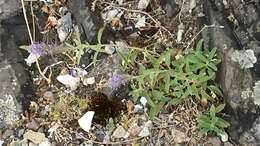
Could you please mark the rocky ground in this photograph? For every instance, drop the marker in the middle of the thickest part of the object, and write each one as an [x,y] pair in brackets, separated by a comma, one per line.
[75,91]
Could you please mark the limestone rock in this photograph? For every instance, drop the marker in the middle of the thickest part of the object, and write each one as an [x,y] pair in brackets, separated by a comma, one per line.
[35,137]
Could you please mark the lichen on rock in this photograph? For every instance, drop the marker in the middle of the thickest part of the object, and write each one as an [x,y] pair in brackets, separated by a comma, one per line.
[245,58]
[257,93]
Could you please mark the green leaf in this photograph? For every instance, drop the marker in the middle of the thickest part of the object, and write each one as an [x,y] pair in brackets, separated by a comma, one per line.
[216,90]
[136,93]
[190,90]
[193,59]
[202,132]
[175,101]
[150,101]
[155,110]
[222,123]
[220,108]
[212,111]
[213,66]
[100,33]
[217,130]
[204,78]
[197,66]
[205,95]
[199,45]
[211,74]
[110,126]
[201,57]
[212,53]
[141,68]
[24,47]
[167,80]
[194,90]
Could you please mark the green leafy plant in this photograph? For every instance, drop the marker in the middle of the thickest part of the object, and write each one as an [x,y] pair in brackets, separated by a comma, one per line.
[110,125]
[80,48]
[212,123]
[164,79]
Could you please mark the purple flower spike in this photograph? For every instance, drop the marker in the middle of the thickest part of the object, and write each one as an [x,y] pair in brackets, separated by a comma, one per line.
[116,80]
[38,49]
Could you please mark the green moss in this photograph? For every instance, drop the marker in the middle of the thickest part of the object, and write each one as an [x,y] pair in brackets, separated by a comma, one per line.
[69,107]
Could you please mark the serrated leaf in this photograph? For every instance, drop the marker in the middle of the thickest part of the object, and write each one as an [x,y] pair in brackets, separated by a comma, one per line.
[212,53]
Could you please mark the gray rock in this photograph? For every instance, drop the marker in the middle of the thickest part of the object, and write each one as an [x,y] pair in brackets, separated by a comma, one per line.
[234,81]
[120,132]
[15,86]
[215,141]
[10,109]
[9,8]
[178,136]
[86,20]
[170,7]
[8,133]
[228,144]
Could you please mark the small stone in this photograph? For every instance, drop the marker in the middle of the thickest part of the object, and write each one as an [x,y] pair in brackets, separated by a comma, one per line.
[215,141]
[144,132]
[89,81]
[8,133]
[45,143]
[33,125]
[1,142]
[23,142]
[228,144]
[100,134]
[48,95]
[69,81]
[35,137]
[138,108]
[135,130]
[224,137]
[32,144]
[149,124]
[178,136]
[146,129]
[20,132]
[110,50]
[143,100]
[120,132]
[85,121]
